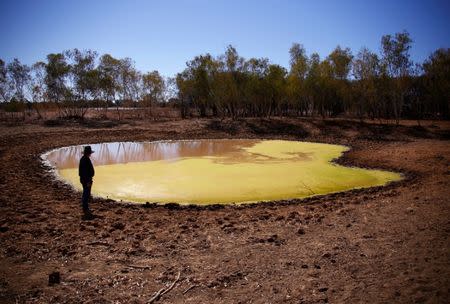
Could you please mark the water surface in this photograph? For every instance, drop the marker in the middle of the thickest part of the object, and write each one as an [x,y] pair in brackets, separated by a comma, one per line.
[215,171]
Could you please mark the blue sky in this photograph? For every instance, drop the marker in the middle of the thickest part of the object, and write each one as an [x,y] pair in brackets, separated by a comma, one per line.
[163,35]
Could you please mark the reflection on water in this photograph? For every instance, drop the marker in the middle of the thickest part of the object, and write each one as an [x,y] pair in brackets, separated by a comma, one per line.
[215,171]
[223,151]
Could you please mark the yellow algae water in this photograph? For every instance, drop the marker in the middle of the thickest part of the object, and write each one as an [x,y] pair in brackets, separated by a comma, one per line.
[216,171]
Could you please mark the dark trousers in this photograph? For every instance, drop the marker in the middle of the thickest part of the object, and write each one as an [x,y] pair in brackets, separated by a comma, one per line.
[86,195]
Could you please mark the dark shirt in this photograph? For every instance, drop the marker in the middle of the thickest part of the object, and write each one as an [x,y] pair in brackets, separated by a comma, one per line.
[86,169]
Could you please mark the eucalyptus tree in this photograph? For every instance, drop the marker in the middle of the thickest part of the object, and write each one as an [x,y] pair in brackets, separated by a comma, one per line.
[437,81]
[276,93]
[328,102]
[396,58]
[37,87]
[153,87]
[296,87]
[19,76]
[229,83]
[129,79]
[93,84]
[82,67]
[134,85]
[184,85]
[417,103]
[298,61]
[195,83]
[4,83]
[313,82]
[37,84]
[170,91]
[57,71]
[255,97]
[109,77]
[232,61]
[225,96]
[322,87]
[341,62]
[83,81]
[366,70]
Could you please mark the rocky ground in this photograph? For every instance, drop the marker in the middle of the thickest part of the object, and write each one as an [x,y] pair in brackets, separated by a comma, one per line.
[380,245]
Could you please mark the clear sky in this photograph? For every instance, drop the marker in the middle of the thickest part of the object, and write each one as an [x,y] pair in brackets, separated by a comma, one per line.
[163,35]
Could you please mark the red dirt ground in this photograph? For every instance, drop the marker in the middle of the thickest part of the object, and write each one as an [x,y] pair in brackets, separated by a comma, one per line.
[380,245]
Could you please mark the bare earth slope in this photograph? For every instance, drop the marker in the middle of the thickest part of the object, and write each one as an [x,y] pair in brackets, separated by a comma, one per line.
[381,245]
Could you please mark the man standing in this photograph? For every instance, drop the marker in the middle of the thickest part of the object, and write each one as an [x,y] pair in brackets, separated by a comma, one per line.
[86,173]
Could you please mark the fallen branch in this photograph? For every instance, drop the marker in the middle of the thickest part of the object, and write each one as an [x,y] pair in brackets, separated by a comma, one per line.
[139,266]
[189,288]
[307,188]
[163,291]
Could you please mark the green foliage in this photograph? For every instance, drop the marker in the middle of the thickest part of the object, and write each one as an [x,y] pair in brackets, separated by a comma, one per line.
[386,86]
[397,65]
[4,85]
[437,81]
[19,77]
[84,74]
[395,50]
[57,71]
[340,60]
[153,88]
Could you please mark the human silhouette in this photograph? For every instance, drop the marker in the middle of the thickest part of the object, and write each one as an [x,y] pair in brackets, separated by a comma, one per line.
[86,173]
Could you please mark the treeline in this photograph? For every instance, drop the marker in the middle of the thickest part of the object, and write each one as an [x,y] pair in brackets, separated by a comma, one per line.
[363,85]
[75,80]
[366,85]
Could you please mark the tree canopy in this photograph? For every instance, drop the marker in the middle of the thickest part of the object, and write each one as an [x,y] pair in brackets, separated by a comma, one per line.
[364,85]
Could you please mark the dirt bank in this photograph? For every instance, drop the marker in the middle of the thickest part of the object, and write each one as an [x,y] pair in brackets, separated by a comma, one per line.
[380,245]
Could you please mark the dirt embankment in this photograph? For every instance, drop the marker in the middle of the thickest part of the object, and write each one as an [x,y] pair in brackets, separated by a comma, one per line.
[380,245]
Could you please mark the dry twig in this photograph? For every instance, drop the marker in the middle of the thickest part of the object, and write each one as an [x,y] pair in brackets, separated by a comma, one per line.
[139,266]
[163,291]
[307,188]
[190,287]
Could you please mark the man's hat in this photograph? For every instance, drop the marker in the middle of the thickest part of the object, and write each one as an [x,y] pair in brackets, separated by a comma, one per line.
[88,150]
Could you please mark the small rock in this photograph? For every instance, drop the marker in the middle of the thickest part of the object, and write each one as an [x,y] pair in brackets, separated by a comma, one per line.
[410,209]
[54,278]
[301,231]
[323,289]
